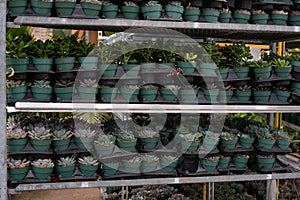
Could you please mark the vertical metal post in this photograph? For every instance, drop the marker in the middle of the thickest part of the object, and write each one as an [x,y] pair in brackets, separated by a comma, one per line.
[204,190]
[3,153]
[213,191]
[209,191]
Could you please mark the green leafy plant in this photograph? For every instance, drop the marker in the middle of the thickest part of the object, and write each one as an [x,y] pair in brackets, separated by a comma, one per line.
[282,63]
[83,48]
[237,54]
[43,49]
[258,64]
[67,161]
[19,46]
[64,46]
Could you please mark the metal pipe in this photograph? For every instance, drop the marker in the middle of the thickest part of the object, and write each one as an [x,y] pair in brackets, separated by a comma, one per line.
[204,190]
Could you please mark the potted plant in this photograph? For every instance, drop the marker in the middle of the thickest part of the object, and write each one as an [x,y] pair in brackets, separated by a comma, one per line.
[228,140]
[17,168]
[40,136]
[64,7]
[261,69]
[190,142]
[265,161]
[109,10]
[43,54]
[151,10]
[148,92]
[225,15]
[246,140]
[104,145]
[279,17]
[148,138]
[66,166]
[294,58]
[191,13]
[241,16]
[211,14]
[210,140]
[110,167]
[129,92]
[211,92]
[174,9]
[282,93]
[210,163]
[132,165]
[130,10]
[17,7]
[91,7]
[42,7]
[224,162]
[210,59]
[294,18]
[168,162]
[243,93]
[88,165]
[106,60]
[83,135]
[169,92]
[107,92]
[87,89]
[126,141]
[188,93]
[63,89]
[85,55]
[265,139]
[283,140]
[16,134]
[41,89]
[259,17]
[149,163]
[42,168]
[281,67]
[261,94]
[61,138]
[188,63]
[227,94]
[240,160]
[16,89]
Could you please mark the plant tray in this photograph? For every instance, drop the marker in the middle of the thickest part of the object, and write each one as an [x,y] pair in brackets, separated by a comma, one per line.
[29,150]
[233,77]
[78,176]
[120,175]
[117,154]
[275,149]
[30,178]
[71,150]
[159,100]
[200,172]
[20,75]
[277,167]
[203,152]
[238,149]
[29,12]
[159,173]
[164,17]
[232,169]
[273,101]
[158,149]
[78,13]
[272,78]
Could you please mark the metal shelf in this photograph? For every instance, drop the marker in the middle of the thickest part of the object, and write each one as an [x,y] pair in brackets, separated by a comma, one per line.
[153,181]
[149,108]
[267,33]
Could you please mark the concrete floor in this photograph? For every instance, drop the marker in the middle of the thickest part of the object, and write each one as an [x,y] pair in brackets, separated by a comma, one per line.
[67,194]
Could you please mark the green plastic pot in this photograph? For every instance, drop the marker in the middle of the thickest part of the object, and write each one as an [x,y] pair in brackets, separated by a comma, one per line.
[228,144]
[211,15]
[241,18]
[148,94]
[91,9]
[265,143]
[63,64]
[211,95]
[41,7]
[18,64]
[87,170]
[169,95]
[106,150]
[167,165]
[169,65]
[130,12]
[18,174]
[40,145]
[239,162]
[152,12]
[111,168]
[84,143]
[131,167]
[61,145]
[188,94]
[262,96]
[64,8]
[108,93]
[126,145]
[191,15]
[241,72]
[42,64]
[131,69]
[149,166]
[208,68]
[295,86]
[87,93]
[109,11]
[17,7]
[41,173]
[224,17]
[148,143]
[210,143]
[224,162]
[148,66]
[243,96]
[294,20]
[128,93]
[228,95]
[265,163]
[65,172]
[282,96]
[64,93]
[260,18]
[224,72]
[19,93]
[295,63]
[88,62]
[41,93]
[283,144]
[209,165]
[190,146]
[174,12]
[279,19]
[187,67]
[108,70]
[262,73]
[246,142]
[16,145]
[282,71]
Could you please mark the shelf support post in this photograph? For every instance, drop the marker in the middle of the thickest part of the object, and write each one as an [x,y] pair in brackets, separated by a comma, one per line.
[3,170]
[204,190]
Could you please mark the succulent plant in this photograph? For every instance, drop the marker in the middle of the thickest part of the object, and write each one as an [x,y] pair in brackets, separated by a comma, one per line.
[39,132]
[130,3]
[191,136]
[41,84]
[212,158]
[150,158]
[150,86]
[65,0]
[66,161]
[169,158]
[283,63]
[152,3]
[104,140]
[171,87]
[282,134]
[280,12]
[19,163]
[135,159]
[133,87]
[43,163]
[88,83]
[228,136]
[141,120]
[62,134]
[244,88]
[83,130]
[225,10]
[14,130]
[242,155]
[126,136]
[243,12]
[175,3]
[148,133]
[107,3]
[258,12]
[64,83]
[15,83]
[88,160]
